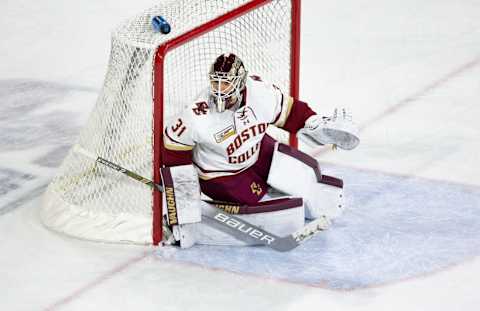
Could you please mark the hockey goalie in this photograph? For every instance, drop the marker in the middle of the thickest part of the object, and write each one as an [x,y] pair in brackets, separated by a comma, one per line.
[218,148]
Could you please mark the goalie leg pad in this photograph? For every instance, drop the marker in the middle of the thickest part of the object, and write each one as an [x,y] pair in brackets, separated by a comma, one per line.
[181,197]
[327,199]
[322,194]
[280,221]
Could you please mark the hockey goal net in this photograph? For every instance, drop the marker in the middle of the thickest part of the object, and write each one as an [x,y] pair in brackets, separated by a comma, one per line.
[152,76]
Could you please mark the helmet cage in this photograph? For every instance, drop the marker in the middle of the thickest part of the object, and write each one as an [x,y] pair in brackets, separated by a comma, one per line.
[225,87]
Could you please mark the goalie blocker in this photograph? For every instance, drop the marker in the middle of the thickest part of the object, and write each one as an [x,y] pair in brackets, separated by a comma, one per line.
[322,194]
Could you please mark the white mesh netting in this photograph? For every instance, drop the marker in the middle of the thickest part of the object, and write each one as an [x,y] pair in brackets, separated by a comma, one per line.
[90,201]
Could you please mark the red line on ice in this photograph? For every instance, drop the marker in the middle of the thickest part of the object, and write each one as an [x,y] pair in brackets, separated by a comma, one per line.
[101,279]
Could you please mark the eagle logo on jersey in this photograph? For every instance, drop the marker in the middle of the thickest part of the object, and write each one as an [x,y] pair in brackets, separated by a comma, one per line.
[224,134]
[256,188]
[244,115]
[201,108]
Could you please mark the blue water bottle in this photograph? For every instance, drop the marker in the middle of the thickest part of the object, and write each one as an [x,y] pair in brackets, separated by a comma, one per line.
[159,24]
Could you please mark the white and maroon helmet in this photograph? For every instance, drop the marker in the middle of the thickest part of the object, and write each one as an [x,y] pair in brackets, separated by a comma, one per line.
[227,81]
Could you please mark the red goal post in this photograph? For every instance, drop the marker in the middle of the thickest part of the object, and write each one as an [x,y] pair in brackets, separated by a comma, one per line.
[158,93]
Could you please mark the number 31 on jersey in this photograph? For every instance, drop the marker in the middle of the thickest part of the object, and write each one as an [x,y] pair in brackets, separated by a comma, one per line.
[179,127]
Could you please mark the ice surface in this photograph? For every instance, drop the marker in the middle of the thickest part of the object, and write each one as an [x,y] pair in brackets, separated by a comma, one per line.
[11,180]
[408,70]
[30,114]
[396,228]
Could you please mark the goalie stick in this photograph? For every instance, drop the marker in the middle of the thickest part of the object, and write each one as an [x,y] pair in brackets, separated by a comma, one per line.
[247,232]
[142,179]
[228,223]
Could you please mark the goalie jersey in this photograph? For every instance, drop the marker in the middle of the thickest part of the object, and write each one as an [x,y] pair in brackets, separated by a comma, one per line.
[226,143]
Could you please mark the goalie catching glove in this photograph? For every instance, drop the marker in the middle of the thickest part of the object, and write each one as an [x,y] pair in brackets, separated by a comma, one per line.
[338,130]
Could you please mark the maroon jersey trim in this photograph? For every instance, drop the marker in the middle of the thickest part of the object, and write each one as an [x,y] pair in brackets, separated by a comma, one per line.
[176,141]
[177,157]
[299,113]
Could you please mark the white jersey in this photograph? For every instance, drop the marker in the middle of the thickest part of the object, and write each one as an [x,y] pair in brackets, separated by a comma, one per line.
[228,142]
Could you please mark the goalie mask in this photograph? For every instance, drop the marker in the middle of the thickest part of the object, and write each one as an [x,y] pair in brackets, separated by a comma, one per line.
[227,80]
